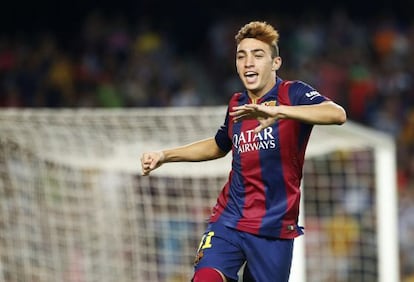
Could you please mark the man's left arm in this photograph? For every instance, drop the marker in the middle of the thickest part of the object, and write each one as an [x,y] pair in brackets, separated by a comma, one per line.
[326,112]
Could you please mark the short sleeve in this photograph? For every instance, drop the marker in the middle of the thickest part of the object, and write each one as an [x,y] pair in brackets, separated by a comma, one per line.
[222,137]
[301,93]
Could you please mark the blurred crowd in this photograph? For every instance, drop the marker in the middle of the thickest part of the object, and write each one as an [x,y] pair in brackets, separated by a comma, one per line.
[366,66]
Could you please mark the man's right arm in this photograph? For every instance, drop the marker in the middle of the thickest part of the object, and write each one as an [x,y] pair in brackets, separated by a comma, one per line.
[202,150]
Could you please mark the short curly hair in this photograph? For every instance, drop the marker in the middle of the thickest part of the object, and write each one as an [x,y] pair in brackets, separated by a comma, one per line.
[261,31]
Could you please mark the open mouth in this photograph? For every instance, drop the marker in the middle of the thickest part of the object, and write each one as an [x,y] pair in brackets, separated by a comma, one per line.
[251,76]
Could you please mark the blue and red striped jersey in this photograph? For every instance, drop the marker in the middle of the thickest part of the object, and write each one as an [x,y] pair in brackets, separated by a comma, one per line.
[262,193]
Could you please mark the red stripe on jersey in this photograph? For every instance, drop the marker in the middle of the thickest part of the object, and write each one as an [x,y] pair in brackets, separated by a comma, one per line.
[221,201]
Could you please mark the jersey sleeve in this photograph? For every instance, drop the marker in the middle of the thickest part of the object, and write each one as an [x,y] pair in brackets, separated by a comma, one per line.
[222,136]
[303,94]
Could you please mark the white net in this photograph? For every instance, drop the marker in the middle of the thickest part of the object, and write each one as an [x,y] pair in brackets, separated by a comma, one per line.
[340,217]
[73,206]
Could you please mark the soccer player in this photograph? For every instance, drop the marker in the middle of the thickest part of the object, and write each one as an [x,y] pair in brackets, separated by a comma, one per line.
[267,127]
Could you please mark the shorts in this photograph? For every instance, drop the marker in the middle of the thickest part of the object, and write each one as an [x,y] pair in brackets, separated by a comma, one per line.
[227,249]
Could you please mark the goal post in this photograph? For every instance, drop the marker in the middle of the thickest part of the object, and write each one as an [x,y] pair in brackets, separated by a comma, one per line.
[74,207]
[375,152]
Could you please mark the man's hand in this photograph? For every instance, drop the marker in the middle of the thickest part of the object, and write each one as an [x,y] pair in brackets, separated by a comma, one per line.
[264,114]
[151,161]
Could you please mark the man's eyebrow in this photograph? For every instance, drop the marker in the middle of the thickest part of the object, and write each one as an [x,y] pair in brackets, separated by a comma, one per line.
[253,51]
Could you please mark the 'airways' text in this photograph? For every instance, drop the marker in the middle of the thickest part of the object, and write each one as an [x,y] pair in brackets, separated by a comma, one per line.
[249,141]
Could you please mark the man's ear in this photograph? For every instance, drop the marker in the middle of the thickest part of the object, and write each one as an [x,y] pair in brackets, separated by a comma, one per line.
[277,62]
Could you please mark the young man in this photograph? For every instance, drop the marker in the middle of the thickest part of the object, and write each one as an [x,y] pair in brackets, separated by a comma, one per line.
[267,128]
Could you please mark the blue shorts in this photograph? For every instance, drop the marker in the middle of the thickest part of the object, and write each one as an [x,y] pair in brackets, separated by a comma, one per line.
[227,249]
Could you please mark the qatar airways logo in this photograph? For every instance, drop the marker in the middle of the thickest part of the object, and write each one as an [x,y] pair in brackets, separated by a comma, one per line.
[248,141]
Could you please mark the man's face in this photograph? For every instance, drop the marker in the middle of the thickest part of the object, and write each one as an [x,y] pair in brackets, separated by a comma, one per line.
[255,66]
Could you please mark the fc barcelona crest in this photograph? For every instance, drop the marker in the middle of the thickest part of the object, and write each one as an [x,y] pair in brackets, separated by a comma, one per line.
[269,103]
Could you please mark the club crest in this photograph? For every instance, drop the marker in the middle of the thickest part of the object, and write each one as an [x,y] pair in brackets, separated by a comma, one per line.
[269,103]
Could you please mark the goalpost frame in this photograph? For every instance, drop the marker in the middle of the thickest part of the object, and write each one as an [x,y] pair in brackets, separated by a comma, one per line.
[387,209]
[386,198]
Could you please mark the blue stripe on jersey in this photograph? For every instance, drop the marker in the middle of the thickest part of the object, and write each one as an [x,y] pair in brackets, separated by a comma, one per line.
[238,182]
[275,205]
[273,174]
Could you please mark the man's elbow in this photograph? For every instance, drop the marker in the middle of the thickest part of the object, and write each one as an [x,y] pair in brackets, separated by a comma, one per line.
[336,114]
[340,116]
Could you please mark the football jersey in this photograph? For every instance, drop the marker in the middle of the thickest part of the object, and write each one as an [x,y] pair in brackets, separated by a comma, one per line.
[262,193]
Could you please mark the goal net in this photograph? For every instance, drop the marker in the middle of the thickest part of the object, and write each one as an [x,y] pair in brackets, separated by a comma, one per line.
[74,207]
